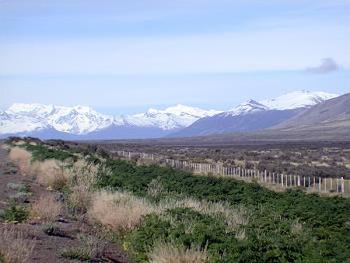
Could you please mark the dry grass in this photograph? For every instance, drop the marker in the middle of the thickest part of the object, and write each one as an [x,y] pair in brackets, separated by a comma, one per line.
[14,248]
[233,217]
[50,173]
[46,208]
[297,227]
[80,198]
[169,253]
[22,159]
[124,211]
[155,188]
[119,211]
[82,178]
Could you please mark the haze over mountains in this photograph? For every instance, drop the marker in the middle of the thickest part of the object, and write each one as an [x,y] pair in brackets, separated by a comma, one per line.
[81,122]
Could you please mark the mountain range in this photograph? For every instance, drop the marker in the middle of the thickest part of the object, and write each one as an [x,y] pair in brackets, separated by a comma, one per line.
[81,122]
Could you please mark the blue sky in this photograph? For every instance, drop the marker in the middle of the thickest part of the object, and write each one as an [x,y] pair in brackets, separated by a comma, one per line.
[126,56]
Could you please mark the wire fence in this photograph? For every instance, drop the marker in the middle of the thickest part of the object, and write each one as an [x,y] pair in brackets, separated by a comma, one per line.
[310,183]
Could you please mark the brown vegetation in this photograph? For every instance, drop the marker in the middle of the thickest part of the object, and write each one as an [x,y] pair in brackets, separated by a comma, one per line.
[50,173]
[118,210]
[22,159]
[169,253]
[14,247]
[46,208]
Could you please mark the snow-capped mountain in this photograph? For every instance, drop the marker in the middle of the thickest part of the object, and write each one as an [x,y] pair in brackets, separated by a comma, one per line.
[175,117]
[297,99]
[74,120]
[82,120]
[247,107]
[252,115]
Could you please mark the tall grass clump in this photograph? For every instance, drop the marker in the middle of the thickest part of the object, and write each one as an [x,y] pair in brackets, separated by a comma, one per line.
[22,159]
[120,211]
[170,253]
[14,247]
[46,208]
[82,181]
[50,173]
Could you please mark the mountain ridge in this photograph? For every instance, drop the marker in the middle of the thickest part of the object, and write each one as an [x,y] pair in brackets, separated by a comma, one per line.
[84,122]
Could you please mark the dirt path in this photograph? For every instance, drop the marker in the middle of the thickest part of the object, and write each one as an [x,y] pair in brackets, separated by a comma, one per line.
[47,248]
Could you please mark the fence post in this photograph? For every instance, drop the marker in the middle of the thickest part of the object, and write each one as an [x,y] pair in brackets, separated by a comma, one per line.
[319,184]
[337,184]
[331,184]
[342,185]
[282,180]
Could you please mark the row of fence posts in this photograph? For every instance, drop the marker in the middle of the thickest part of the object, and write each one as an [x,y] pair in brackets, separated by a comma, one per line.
[313,183]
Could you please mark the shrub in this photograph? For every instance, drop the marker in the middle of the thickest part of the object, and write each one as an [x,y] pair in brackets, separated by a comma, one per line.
[46,208]
[17,187]
[20,197]
[15,213]
[42,152]
[14,247]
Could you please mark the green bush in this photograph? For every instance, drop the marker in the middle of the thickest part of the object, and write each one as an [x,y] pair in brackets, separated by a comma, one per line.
[269,234]
[79,253]
[42,152]
[14,213]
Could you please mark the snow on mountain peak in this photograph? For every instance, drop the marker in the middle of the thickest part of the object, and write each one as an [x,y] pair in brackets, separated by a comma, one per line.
[173,117]
[247,107]
[34,109]
[78,120]
[181,110]
[297,99]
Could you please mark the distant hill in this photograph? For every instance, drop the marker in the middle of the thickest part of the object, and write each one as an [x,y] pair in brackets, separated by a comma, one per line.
[331,114]
[254,116]
[326,121]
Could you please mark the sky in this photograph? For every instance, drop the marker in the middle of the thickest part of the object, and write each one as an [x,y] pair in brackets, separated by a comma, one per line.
[123,57]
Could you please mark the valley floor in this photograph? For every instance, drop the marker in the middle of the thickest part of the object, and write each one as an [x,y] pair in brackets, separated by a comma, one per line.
[158,214]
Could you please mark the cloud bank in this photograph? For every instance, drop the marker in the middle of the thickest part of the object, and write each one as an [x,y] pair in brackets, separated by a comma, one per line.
[327,65]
